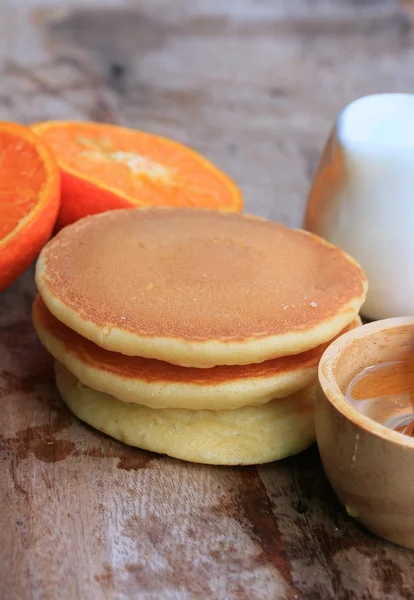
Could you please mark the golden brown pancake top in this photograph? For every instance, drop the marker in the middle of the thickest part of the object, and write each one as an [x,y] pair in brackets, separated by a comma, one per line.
[197,275]
[151,370]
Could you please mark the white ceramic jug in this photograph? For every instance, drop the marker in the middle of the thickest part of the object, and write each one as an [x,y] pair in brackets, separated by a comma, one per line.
[362,197]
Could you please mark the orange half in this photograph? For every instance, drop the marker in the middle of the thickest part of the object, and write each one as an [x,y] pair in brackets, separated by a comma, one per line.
[29,199]
[104,167]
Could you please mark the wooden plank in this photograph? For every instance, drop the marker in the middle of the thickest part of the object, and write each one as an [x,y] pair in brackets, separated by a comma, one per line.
[255,86]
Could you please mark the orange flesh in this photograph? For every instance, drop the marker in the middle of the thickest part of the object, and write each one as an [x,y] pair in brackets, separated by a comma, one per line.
[23,175]
[29,199]
[153,170]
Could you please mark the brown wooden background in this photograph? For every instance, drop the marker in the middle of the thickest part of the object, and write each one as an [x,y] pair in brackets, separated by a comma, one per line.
[255,85]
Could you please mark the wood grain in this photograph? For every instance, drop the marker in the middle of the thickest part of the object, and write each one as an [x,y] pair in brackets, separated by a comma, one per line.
[255,85]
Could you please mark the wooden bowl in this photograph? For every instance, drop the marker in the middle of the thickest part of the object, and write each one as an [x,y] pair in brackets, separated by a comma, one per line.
[370,467]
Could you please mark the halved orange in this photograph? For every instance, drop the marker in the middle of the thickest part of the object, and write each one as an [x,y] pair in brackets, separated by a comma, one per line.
[106,166]
[29,198]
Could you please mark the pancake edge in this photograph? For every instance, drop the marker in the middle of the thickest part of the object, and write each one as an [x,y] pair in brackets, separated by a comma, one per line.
[290,431]
[171,394]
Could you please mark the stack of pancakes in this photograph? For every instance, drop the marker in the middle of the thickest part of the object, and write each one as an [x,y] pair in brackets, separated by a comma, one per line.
[192,333]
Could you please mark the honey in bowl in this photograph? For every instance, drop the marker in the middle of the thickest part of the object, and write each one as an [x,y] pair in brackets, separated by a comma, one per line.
[385,393]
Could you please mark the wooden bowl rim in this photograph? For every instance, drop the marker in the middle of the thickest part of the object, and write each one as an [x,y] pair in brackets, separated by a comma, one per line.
[333,393]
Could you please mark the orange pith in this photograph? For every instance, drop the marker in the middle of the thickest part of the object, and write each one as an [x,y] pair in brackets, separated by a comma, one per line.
[29,199]
[105,166]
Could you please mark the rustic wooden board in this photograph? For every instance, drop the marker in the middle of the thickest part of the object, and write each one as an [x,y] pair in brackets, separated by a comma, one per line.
[255,85]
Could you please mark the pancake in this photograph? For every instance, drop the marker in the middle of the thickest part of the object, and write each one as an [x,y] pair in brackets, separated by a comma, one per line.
[250,435]
[159,384]
[198,288]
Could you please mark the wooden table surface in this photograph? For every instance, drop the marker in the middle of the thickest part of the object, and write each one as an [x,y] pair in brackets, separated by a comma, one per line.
[255,85]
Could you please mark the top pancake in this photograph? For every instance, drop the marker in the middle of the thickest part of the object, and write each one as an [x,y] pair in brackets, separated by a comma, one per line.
[198,288]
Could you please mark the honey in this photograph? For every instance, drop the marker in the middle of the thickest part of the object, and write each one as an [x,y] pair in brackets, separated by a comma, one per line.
[385,393]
